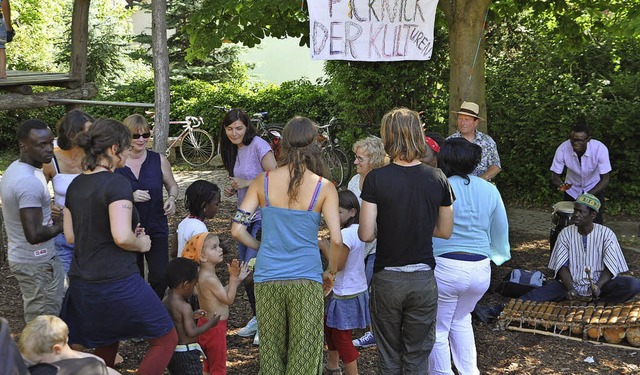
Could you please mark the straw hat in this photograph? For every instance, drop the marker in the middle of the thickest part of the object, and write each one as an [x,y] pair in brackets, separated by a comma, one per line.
[469,109]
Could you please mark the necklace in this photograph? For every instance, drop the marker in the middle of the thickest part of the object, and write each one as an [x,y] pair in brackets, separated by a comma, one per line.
[105,167]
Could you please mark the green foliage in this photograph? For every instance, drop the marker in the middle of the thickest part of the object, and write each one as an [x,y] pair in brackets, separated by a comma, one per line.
[535,92]
[219,65]
[108,40]
[37,23]
[365,91]
[215,22]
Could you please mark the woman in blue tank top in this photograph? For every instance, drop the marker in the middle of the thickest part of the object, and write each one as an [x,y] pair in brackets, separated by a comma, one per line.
[288,273]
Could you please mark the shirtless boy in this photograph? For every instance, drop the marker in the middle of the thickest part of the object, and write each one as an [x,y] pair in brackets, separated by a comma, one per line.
[182,277]
[214,297]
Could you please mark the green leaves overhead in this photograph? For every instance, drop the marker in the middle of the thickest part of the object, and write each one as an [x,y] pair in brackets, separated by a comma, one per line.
[247,22]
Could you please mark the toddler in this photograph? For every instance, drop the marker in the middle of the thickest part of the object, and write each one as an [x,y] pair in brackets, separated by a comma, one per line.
[181,278]
[44,343]
[205,249]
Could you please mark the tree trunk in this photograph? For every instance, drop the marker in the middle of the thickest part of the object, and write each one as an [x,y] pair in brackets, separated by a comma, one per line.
[161,74]
[465,20]
[39,100]
[79,40]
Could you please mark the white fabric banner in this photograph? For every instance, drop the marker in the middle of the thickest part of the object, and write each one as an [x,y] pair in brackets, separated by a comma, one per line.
[371,30]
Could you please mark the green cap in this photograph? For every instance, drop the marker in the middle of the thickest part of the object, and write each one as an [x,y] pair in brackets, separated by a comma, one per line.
[590,201]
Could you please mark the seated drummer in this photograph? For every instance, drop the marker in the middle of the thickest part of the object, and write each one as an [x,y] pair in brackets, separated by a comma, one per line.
[581,245]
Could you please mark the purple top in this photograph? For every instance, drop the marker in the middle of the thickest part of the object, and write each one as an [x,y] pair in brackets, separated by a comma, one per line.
[583,173]
[249,164]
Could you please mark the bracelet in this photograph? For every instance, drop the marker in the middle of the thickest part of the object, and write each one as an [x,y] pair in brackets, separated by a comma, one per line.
[242,217]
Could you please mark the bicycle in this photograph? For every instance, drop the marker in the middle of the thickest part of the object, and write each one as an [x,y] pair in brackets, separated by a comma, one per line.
[196,144]
[336,158]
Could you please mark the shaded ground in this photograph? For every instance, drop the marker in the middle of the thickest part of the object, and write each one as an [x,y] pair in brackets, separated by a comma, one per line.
[499,352]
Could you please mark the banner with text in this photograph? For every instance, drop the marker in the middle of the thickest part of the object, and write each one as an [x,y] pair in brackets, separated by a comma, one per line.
[371,30]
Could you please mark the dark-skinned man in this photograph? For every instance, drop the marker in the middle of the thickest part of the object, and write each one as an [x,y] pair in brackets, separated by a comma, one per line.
[587,163]
[26,207]
[581,245]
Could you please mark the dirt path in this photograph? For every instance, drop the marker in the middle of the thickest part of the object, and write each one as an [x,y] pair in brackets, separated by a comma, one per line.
[499,352]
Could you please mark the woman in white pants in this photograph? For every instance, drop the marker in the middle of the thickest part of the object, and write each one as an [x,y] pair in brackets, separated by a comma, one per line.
[480,235]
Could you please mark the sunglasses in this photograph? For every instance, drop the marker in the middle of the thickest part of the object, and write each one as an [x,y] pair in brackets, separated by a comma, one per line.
[138,136]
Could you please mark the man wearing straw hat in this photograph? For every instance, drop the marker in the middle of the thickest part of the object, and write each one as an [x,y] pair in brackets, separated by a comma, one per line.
[468,120]
[587,260]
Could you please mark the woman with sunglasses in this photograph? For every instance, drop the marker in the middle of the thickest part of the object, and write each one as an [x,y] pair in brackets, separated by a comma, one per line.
[148,172]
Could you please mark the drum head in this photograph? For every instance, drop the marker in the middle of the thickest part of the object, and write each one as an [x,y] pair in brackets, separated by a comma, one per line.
[564,206]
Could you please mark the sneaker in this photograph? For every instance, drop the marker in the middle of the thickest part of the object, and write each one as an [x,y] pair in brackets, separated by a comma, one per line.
[256,339]
[250,329]
[365,341]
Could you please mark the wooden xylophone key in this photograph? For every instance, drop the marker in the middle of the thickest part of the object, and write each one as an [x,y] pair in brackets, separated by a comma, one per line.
[540,313]
[576,326]
[614,335]
[594,332]
[566,316]
[550,315]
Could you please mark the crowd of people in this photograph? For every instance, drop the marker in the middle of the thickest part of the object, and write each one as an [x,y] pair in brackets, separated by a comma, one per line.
[407,257]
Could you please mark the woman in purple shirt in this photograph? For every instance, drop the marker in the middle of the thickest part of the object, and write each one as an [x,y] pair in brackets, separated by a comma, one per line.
[245,156]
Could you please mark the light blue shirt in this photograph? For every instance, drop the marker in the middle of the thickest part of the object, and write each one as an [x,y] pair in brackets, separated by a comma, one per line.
[479,221]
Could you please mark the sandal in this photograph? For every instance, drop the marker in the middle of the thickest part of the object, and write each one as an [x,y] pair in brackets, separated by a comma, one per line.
[333,371]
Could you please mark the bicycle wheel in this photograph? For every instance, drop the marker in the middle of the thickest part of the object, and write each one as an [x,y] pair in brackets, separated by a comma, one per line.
[197,147]
[338,165]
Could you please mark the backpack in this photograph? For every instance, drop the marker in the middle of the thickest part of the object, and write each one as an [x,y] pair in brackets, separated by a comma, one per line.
[520,282]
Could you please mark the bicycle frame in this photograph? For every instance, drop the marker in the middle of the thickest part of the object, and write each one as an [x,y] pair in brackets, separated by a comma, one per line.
[189,123]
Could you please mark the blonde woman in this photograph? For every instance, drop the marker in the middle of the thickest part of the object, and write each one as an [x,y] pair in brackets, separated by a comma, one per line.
[148,172]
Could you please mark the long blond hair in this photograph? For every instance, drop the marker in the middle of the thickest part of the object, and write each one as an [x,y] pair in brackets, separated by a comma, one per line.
[402,135]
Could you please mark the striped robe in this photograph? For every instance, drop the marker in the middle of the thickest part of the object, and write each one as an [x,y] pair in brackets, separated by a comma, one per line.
[602,250]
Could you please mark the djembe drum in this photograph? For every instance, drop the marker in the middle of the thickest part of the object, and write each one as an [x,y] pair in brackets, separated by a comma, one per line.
[560,219]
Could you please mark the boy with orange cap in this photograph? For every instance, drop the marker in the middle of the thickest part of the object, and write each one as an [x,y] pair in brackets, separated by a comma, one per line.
[205,249]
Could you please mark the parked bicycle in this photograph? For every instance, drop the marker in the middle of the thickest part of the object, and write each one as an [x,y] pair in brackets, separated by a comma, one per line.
[196,144]
[335,157]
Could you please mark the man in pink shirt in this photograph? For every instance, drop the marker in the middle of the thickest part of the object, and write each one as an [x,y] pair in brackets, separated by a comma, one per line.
[587,164]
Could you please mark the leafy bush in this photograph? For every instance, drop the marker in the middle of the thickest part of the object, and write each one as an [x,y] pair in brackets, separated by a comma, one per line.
[535,92]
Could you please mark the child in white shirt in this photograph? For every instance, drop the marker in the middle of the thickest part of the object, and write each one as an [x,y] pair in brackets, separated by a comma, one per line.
[347,306]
